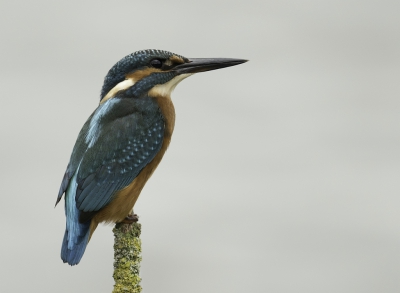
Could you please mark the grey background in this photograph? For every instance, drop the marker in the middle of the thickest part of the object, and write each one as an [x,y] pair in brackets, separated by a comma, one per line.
[283,173]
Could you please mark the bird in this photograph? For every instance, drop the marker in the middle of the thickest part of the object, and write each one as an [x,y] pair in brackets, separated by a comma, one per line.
[122,142]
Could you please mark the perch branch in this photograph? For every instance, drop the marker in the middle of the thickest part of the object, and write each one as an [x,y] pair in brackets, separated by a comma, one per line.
[127,257]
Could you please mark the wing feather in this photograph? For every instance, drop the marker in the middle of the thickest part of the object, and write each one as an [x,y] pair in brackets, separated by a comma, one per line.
[124,147]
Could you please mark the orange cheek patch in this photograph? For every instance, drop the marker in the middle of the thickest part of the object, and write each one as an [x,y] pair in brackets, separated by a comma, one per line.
[177,60]
[140,74]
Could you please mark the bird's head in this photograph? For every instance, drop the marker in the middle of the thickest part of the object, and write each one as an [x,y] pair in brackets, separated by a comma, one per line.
[155,72]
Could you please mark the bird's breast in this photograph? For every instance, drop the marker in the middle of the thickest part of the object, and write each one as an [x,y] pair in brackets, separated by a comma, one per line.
[168,111]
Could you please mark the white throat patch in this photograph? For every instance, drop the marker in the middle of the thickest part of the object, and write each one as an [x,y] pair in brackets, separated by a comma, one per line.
[166,89]
[123,85]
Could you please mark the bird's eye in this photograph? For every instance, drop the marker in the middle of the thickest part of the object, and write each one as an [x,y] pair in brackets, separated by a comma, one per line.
[156,63]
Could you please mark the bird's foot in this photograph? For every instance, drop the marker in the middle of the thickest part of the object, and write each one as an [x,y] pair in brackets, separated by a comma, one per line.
[129,219]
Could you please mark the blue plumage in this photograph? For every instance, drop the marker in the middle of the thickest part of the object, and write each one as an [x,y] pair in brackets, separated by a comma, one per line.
[119,139]
[76,234]
[125,145]
[123,141]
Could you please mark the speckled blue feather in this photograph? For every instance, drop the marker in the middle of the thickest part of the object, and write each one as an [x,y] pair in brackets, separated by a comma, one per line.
[119,139]
[124,146]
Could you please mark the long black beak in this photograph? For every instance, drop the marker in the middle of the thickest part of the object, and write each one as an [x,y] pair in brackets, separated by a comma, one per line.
[206,64]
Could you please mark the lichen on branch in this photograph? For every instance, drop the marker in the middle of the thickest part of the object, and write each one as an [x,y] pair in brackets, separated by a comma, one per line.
[127,257]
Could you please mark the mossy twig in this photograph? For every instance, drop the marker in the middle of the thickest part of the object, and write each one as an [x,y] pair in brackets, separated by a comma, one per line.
[127,257]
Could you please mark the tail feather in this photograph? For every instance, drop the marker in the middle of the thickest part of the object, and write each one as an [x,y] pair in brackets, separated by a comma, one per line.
[73,246]
[76,235]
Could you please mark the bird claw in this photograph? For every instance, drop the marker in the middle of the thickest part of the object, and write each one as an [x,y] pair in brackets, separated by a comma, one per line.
[129,219]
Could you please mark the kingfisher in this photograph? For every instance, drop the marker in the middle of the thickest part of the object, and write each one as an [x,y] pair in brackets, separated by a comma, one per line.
[122,142]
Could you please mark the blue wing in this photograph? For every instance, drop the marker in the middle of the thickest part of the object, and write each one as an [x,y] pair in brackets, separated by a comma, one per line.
[112,149]
[120,153]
